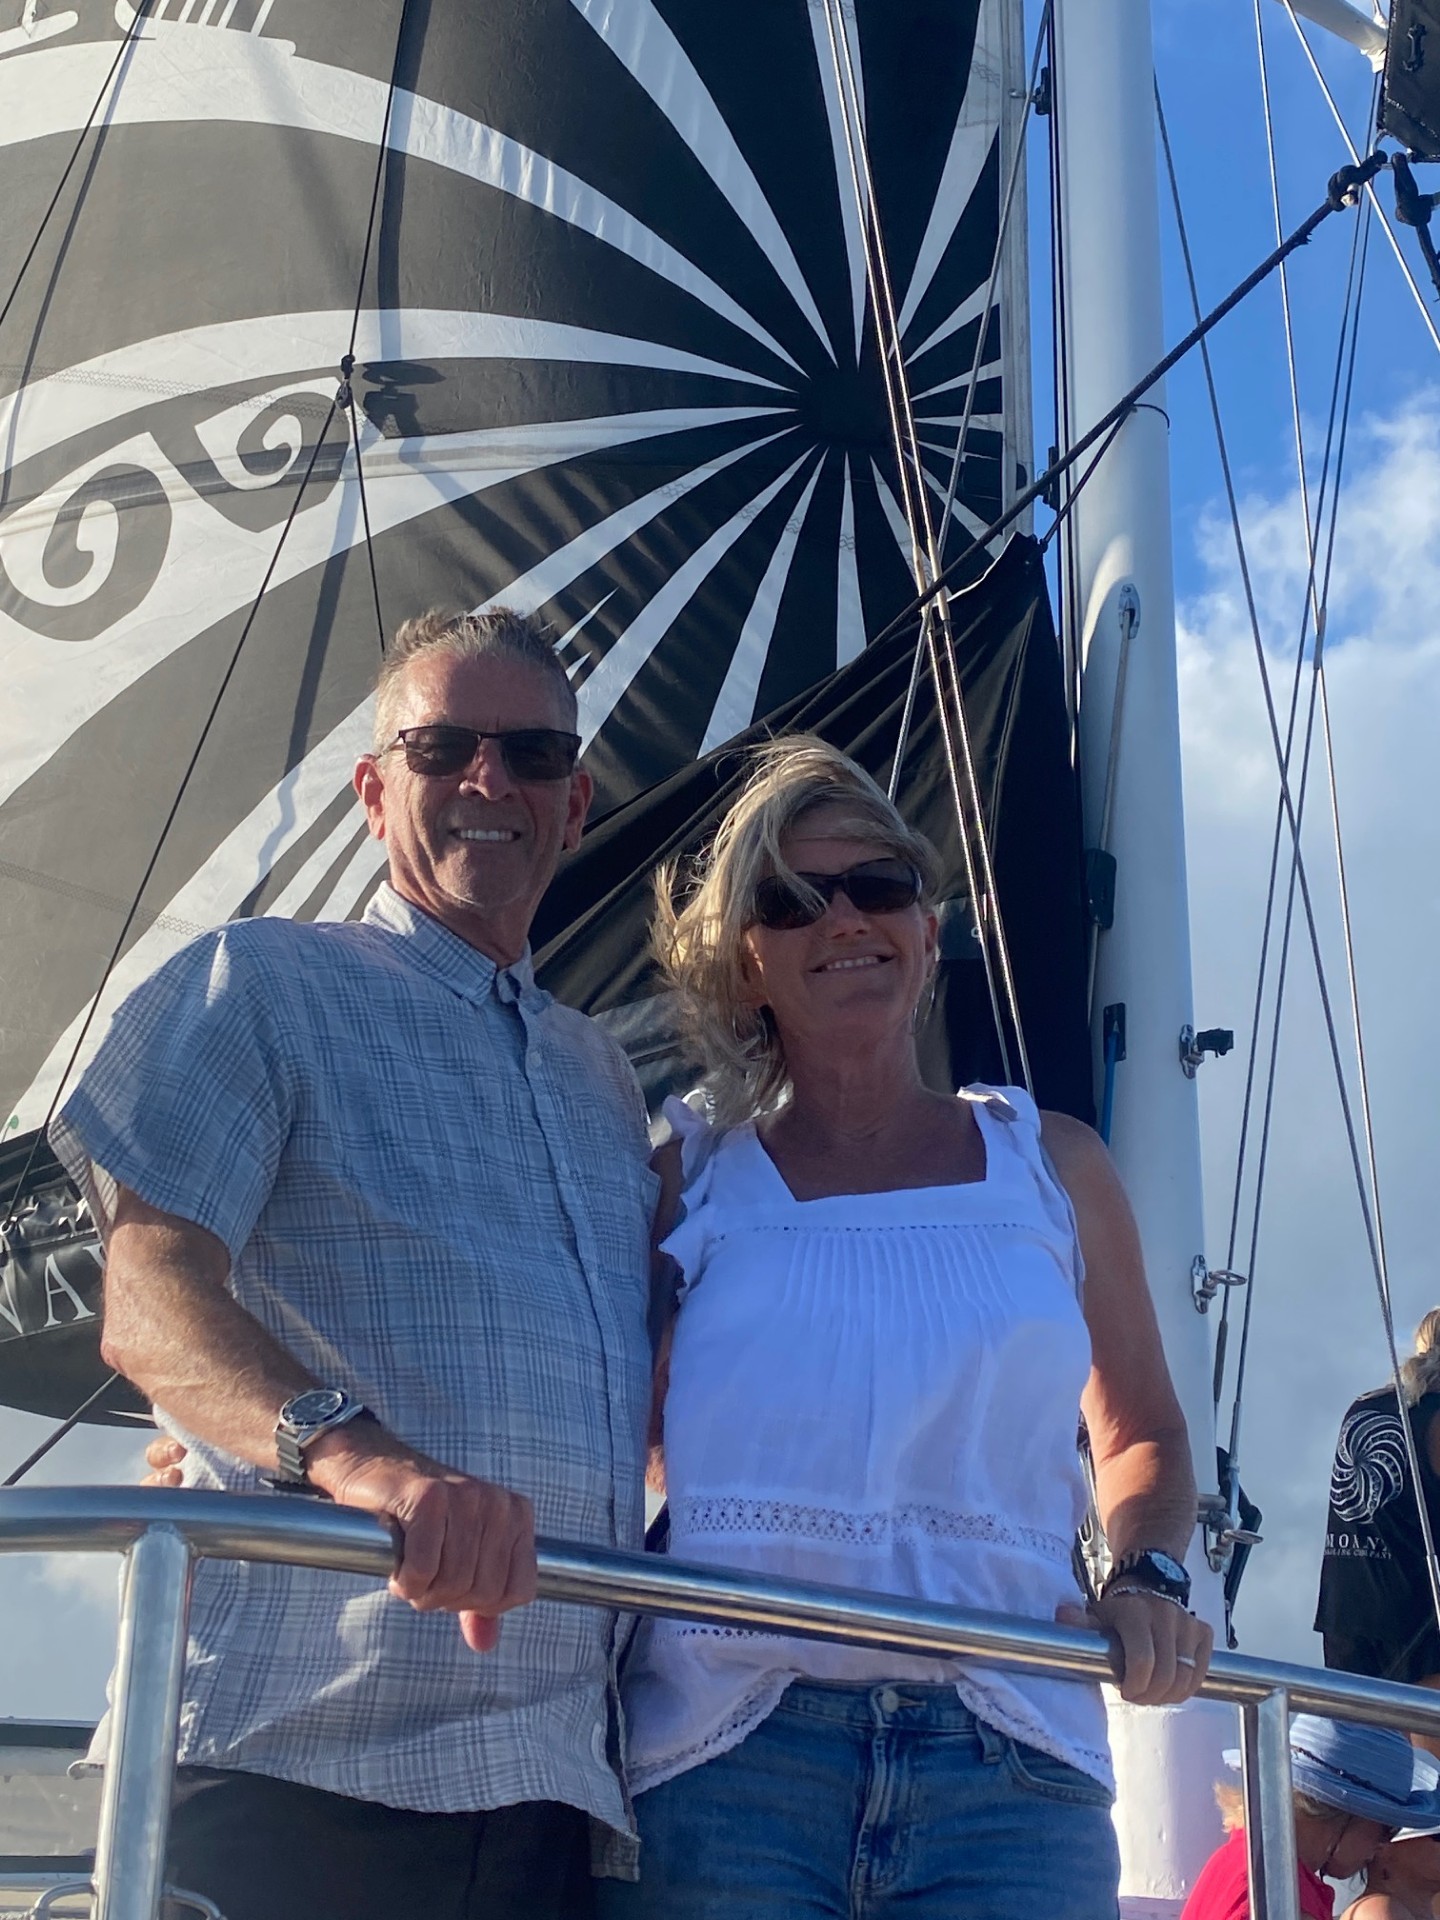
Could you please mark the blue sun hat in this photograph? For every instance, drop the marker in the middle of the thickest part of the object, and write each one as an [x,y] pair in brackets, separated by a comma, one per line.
[1372,1773]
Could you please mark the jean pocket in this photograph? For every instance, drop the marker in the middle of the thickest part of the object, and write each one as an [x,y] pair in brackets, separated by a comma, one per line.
[1041,1773]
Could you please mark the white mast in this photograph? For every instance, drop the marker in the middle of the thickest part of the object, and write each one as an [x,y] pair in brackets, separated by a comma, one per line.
[1120,558]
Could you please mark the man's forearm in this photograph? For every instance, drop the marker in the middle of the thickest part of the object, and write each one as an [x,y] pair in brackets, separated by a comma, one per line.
[172,1327]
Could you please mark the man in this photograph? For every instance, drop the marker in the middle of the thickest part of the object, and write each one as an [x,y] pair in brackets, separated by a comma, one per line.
[377,1216]
[1377,1608]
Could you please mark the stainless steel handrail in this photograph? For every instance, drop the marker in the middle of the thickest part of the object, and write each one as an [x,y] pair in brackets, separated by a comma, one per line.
[162,1531]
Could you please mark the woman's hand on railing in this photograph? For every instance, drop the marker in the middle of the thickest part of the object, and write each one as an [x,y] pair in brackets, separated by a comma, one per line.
[163,1456]
[1159,1651]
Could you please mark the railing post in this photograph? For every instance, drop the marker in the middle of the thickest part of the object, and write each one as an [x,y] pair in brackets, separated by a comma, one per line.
[1270,1808]
[145,1717]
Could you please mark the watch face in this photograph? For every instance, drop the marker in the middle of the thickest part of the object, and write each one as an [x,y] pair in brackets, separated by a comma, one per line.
[1171,1569]
[319,1403]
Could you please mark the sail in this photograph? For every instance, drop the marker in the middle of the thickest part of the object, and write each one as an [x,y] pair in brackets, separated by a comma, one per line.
[615,362]
[597,271]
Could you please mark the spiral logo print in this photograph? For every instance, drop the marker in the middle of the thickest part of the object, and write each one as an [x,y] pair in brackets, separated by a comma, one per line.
[1369,1467]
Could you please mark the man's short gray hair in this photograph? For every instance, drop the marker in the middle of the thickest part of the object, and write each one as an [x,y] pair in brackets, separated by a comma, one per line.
[497,634]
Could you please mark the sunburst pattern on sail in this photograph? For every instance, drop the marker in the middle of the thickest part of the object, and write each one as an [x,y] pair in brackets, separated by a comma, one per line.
[615,363]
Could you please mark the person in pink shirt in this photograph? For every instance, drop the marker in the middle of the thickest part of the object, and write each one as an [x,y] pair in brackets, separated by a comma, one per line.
[1355,1787]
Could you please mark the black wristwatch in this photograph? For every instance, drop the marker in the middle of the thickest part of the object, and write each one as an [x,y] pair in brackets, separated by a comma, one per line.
[302,1421]
[1156,1572]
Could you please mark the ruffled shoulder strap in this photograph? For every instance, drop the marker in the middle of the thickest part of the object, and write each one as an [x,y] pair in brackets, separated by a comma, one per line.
[690,1123]
[1019,1129]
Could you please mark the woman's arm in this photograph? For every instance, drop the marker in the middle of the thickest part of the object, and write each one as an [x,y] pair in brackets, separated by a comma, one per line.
[1145,1488]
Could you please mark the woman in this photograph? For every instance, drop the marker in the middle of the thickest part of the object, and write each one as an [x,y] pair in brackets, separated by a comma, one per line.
[881,1351]
[1353,1787]
[1402,1881]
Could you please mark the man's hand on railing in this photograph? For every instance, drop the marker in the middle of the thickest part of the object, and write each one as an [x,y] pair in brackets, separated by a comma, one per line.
[1159,1651]
[469,1546]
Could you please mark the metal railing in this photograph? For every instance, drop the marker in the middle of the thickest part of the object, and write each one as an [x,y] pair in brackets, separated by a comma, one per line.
[162,1533]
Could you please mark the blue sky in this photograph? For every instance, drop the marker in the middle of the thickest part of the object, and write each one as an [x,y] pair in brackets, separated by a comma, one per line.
[1206,62]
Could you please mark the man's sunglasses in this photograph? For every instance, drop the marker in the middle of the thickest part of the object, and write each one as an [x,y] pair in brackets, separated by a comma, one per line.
[874,886]
[529,753]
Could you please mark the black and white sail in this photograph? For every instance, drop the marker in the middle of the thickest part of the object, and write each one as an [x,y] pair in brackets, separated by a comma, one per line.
[599,266]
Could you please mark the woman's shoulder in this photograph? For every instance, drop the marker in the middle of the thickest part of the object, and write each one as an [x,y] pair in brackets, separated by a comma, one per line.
[1376,1906]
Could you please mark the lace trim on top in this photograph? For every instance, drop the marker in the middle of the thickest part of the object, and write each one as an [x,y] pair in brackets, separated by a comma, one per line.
[757,1704]
[731,1514]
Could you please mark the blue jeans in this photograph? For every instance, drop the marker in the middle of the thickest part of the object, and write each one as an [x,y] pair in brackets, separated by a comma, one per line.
[852,1803]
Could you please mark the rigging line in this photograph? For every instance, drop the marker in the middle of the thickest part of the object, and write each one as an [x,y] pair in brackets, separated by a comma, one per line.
[989,905]
[916,506]
[170,817]
[1350,326]
[1311,601]
[57,1434]
[1064,410]
[1286,314]
[1342,186]
[907,714]
[347,363]
[349,403]
[1007,206]
[1390,233]
[1369,1214]
[382,156]
[130,35]
[1017,164]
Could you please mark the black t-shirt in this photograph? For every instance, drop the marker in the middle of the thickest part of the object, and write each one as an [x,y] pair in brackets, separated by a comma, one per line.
[1375,1610]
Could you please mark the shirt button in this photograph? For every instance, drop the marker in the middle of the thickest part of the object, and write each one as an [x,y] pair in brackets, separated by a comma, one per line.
[889,1700]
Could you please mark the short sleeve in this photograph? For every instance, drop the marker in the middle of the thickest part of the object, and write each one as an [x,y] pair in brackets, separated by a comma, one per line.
[687,1245]
[188,1101]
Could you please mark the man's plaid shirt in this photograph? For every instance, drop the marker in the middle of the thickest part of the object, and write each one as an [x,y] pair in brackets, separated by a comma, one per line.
[433,1186]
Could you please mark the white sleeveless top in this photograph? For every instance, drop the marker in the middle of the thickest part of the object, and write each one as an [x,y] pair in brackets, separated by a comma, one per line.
[873,1390]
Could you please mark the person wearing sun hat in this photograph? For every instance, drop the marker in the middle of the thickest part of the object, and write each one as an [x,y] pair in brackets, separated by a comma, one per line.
[1355,1788]
[1403,1880]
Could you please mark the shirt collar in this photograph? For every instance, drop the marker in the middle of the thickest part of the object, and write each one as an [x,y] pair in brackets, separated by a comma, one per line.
[463,968]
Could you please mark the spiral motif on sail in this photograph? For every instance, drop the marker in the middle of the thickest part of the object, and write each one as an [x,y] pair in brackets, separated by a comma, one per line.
[1370,1465]
[615,363]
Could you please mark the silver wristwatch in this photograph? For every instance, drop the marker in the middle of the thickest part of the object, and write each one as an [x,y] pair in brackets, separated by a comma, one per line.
[302,1421]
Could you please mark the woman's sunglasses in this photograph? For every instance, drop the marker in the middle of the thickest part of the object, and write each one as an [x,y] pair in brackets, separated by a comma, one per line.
[529,753]
[874,886]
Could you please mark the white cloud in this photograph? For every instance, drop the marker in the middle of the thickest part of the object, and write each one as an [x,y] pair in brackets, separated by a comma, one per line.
[59,1610]
[1317,1337]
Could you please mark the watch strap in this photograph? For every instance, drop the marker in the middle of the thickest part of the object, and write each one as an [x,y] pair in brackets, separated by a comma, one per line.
[292,1439]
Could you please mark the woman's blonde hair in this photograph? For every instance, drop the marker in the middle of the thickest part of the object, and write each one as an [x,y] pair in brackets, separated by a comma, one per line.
[700,944]
[1231,1802]
[1420,1373]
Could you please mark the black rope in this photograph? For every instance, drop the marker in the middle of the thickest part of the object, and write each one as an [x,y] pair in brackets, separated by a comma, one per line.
[1343,185]
[347,400]
[1413,209]
[53,1438]
[126,43]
